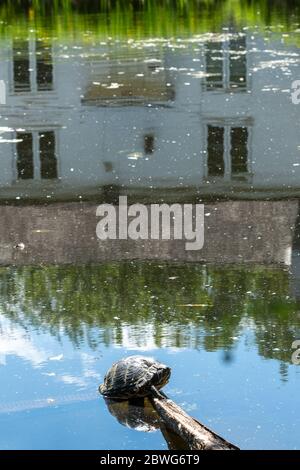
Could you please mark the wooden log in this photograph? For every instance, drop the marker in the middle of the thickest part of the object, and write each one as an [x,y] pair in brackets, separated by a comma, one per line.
[173,440]
[195,434]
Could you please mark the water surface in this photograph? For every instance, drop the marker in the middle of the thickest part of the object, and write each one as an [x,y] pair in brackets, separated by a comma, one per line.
[159,104]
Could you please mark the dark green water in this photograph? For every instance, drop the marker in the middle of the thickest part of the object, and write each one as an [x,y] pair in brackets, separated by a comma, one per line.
[168,104]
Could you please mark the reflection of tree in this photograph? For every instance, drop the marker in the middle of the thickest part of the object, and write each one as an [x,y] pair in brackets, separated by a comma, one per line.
[276,327]
[155,18]
[174,305]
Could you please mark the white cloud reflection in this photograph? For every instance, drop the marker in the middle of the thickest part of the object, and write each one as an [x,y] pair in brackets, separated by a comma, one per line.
[15,341]
[43,351]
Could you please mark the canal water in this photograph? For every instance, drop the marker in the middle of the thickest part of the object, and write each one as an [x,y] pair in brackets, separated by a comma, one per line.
[159,104]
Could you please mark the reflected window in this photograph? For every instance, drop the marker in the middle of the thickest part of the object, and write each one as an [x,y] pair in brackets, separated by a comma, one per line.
[36,155]
[214,65]
[215,150]
[47,155]
[32,66]
[149,144]
[44,66]
[239,150]
[25,168]
[226,65]
[21,67]
[228,151]
[237,63]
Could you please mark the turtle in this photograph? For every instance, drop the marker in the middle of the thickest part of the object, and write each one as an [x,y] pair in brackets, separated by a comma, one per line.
[134,377]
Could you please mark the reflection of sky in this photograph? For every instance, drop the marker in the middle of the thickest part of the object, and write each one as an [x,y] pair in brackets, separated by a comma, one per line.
[49,393]
[52,364]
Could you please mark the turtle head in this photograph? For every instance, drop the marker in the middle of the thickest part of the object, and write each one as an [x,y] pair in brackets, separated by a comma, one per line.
[162,376]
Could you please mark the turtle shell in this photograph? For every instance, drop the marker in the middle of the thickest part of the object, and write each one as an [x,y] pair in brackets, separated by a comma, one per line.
[133,377]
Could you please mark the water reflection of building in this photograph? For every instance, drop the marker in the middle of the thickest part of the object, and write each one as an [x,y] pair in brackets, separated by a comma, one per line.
[200,118]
